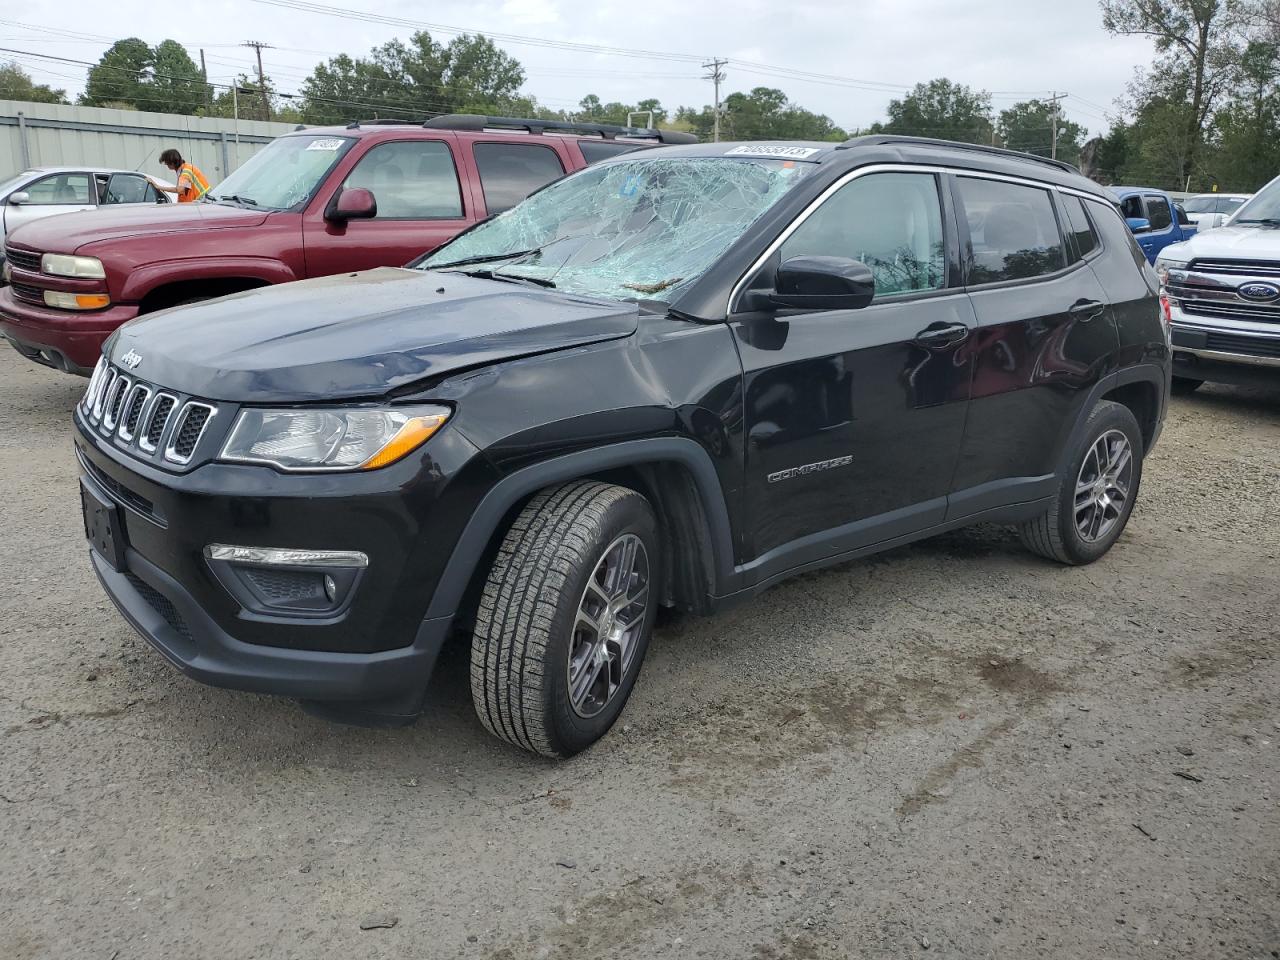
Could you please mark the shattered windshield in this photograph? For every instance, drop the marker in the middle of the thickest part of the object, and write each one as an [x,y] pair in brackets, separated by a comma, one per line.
[639,229]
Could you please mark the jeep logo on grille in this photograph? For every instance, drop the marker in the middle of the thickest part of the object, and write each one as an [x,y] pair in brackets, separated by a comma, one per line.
[1259,292]
[131,359]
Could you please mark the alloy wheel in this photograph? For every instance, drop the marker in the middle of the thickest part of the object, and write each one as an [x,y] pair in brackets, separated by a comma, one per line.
[608,625]
[1102,486]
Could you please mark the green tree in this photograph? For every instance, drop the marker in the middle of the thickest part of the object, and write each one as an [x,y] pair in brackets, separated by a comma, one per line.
[590,108]
[176,81]
[1200,44]
[942,109]
[763,114]
[1028,126]
[247,100]
[120,75]
[16,84]
[414,80]
[1246,131]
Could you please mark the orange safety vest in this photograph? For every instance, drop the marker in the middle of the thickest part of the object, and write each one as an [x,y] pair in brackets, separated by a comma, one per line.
[197,186]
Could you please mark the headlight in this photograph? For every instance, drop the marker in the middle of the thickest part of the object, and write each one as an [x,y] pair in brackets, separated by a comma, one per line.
[83,268]
[320,439]
[1164,265]
[76,301]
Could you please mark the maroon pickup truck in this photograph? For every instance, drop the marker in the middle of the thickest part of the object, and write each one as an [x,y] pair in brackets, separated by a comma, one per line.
[312,203]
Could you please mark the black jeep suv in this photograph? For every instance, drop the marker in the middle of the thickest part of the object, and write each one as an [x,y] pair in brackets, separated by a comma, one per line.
[674,378]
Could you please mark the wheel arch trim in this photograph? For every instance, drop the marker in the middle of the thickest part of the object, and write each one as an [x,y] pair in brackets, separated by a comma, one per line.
[511,489]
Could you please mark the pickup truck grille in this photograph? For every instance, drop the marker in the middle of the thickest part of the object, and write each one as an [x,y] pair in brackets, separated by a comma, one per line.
[145,420]
[1248,268]
[1210,289]
[23,259]
[1230,310]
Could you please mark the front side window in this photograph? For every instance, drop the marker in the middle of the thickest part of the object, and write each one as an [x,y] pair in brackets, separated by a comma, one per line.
[1082,233]
[509,172]
[1013,231]
[1158,213]
[1131,207]
[64,188]
[411,180]
[284,174]
[892,222]
[636,229]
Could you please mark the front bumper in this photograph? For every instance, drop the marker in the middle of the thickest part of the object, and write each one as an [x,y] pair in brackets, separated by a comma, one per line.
[1237,354]
[63,339]
[377,649]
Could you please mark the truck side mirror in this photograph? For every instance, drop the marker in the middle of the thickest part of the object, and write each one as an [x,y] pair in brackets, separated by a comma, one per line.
[352,203]
[19,198]
[1138,224]
[823,283]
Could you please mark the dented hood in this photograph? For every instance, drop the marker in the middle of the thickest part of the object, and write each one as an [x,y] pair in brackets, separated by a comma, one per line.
[357,335]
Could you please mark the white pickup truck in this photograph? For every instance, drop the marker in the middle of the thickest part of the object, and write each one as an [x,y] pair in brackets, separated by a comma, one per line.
[1221,297]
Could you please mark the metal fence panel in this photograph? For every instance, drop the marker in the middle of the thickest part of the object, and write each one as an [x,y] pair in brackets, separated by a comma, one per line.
[47,134]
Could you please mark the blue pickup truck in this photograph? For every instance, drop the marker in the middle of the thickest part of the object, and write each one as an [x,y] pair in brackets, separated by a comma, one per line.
[1155,218]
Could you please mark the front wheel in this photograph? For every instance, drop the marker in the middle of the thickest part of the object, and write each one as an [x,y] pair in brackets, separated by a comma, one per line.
[1096,492]
[565,617]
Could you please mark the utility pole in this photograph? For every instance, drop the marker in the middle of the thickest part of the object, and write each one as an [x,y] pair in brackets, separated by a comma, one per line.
[1053,143]
[204,77]
[716,76]
[258,47]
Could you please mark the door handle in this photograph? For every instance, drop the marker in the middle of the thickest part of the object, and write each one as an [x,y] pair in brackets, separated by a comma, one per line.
[1086,310]
[941,335]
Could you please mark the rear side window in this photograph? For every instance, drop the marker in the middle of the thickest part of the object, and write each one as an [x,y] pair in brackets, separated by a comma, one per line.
[892,222]
[509,172]
[1182,215]
[1013,231]
[593,151]
[124,188]
[411,180]
[1081,230]
[1158,213]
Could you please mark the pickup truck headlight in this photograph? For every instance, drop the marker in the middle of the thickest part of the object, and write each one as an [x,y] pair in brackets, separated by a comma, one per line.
[330,440]
[1165,264]
[82,268]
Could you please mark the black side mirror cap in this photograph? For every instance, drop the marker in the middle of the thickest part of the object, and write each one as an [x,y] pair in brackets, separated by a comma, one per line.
[823,283]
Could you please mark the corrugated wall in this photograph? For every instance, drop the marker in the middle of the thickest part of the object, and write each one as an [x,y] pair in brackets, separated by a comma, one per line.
[44,134]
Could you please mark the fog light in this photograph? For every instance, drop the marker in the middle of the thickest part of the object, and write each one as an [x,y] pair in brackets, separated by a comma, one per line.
[287,582]
[76,301]
[330,588]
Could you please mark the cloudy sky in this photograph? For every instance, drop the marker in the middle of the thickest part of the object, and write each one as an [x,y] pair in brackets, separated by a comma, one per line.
[863,53]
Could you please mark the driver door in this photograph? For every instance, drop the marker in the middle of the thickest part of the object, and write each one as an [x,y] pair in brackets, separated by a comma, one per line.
[854,418]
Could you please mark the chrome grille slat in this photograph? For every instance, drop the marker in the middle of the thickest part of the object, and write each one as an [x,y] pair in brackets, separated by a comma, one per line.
[1241,268]
[192,421]
[132,410]
[157,420]
[95,381]
[108,381]
[1231,309]
[111,409]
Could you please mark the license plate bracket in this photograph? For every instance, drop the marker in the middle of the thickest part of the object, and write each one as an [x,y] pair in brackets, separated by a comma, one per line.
[103,527]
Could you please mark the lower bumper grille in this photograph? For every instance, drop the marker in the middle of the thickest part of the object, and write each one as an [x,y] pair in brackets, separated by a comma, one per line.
[1252,346]
[161,604]
[28,292]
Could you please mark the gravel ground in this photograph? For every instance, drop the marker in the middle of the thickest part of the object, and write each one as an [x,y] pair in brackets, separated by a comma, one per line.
[950,750]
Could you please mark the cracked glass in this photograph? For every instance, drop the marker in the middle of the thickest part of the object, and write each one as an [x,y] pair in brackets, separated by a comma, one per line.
[639,229]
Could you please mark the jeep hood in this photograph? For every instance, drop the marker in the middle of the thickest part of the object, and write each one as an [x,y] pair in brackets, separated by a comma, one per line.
[1234,243]
[69,232]
[357,335]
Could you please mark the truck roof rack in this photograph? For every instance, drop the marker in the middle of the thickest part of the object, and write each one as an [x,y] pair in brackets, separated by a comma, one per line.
[475,121]
[882,139]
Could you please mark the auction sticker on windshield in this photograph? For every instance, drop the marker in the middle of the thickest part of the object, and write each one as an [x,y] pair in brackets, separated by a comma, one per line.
[330,143]
[772,150]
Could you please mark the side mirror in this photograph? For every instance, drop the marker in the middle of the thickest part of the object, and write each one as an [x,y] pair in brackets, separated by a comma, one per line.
[19,198]
[353,203]
[1138,224]
[823,283]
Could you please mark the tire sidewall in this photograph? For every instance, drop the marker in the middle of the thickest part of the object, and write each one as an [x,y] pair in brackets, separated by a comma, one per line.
[570,732]
[1106,417]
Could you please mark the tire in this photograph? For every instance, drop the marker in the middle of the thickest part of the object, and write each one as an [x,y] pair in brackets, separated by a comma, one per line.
[1184,387]
[535,679]
[1057,533]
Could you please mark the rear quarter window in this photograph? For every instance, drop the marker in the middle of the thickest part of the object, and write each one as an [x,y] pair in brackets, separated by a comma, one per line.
[593,151]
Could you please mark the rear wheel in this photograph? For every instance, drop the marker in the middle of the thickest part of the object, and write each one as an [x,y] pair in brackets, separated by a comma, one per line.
[565,617]
[1096,492]
[1184,386]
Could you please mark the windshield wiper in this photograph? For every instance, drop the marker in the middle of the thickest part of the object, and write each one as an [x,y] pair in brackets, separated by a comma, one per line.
[1268,221]
[510,277]
[247,201]
[485,258]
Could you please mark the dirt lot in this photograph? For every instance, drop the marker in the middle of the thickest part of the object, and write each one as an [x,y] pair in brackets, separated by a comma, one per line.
[951,750]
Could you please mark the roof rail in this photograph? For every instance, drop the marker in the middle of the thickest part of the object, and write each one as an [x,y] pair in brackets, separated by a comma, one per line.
[475,121]
[881,139]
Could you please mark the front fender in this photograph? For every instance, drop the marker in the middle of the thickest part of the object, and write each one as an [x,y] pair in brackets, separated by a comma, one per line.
[146,278]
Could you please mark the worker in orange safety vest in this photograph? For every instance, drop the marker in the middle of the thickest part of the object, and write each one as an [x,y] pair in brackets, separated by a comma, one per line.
[192,184]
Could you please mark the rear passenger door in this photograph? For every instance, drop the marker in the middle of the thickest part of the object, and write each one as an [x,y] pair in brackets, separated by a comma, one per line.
[509,172]
[1162,232]
[1045,336]
[420,206]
